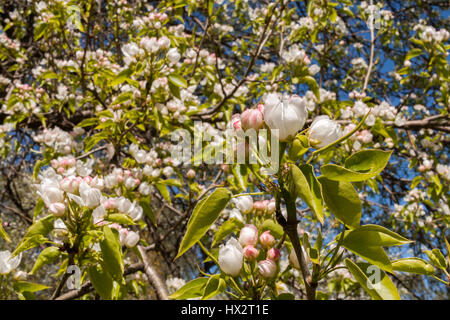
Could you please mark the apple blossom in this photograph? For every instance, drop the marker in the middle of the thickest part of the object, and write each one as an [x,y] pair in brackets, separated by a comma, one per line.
[7,264]
[90,196]
[231,257]
[252,119]
[324,131]
[244,203]
[267,268]
[266,239]
[248,235]
[288,115]
[250,252]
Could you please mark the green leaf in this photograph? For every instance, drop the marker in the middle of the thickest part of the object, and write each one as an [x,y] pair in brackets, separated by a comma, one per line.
[28,243]
[214,286]
[164,191]
[367,242]
[204,215]
[372,161]
[312,83]
[359,166]
[120,218]
[24,286]
[436,258]
[225,229]
[192,289]
[42,226]
[101,281]
[3,233]
[413,265]
[112,254]
[148,210]
[378,289]
[316,190]
[39,164]
[175,90]
[47,256]
[374,235]
[307,188]
[342,200]
[121,77]
[285,296]
[338,173]
[177,80]
[413,53]
[210,7]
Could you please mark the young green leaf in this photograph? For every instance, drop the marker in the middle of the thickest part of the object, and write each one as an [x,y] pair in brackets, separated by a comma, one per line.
[299,185]
[373,280]
[204,215]
[193,289]
[101,281]
[413,265]
[225,229]
[342,200]
[112,254]
[214,286]
[47,256]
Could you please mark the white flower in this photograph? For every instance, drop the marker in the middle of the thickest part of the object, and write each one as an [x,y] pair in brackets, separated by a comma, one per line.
[57,209]
[140,156]
[145,189]
[124,205]
[168,171]
[231,257]
[324,131]
[131,239]
[6,263]
[98,213]
[244,203]
[235,213]
[136,212]
[173,55]
[313,69]
[90,196]
[288,115]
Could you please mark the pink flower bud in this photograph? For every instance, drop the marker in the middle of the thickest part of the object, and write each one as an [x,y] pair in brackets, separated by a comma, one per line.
[250,252]
[267,268]
[248,235]
[266,239]
[252,119]
[259,206]
[273,254]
